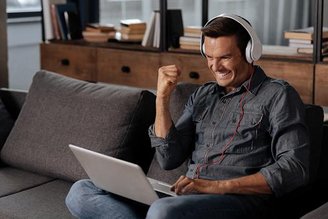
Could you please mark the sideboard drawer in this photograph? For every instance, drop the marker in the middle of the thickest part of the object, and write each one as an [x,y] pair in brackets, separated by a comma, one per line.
[128,67]
[193,67]
[71,60]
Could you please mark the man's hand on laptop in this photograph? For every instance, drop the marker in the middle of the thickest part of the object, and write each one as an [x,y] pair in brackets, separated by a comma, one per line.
[185,186]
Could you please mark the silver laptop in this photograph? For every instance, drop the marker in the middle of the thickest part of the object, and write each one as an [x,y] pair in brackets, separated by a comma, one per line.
[120,177]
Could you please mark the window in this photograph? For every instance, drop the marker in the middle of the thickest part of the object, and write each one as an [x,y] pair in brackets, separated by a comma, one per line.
[23,8]
[269,18]
[112,11]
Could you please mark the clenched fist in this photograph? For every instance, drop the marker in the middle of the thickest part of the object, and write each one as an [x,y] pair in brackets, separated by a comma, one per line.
[167,80]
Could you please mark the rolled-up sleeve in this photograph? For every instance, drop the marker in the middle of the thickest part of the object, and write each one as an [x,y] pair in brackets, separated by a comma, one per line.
[177,146]
[290,143]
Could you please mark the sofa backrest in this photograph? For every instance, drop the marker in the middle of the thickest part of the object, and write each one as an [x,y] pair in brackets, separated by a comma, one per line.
[58,111]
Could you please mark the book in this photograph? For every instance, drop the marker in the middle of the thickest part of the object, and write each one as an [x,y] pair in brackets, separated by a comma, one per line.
[133,23]
[54,22]
[279,50]
[157,31]
[128,30]
[174,27]
[149,33]
[190,40]
[304,33]
[73,22]
[132,37]
[48,29]
[304,45]
[68,19]
[189,47]
[324,50]
[90,36]
[97,27]
[192,31]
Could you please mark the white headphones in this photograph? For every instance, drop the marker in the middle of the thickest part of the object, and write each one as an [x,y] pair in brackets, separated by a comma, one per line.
[253,49]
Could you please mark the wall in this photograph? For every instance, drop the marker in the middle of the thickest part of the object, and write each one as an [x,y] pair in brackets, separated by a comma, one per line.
[3,46]
[24,36]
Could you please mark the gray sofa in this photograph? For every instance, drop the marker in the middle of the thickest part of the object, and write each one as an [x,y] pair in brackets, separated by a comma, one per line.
[37,168]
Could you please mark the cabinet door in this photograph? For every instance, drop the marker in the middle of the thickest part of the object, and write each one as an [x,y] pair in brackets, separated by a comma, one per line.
[321,85]
[297,74]
[125,67]
[193,67]
[71,60]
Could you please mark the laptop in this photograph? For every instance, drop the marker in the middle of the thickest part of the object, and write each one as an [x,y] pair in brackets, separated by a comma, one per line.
[120,177]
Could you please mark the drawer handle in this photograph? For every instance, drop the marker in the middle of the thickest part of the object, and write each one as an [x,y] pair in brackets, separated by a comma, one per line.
[125,69]
[64,62]
[194,75]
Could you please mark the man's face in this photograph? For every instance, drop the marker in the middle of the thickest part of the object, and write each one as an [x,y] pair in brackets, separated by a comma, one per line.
[226,62]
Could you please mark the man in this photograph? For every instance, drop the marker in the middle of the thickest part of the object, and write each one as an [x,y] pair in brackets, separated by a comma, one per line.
[245,136]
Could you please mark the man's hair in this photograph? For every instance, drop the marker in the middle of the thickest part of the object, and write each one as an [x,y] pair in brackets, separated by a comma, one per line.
[222,26]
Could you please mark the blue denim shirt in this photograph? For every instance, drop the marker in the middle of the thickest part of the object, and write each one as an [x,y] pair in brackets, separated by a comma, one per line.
[272,137]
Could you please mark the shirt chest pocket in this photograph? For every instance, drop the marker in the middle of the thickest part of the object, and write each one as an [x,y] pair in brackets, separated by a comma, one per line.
[248,122]
[198,117]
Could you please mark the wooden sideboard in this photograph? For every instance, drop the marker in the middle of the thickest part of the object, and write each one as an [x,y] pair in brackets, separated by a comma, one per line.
[139,68]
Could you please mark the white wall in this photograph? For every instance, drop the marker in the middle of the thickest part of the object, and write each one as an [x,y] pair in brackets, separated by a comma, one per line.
[24,37]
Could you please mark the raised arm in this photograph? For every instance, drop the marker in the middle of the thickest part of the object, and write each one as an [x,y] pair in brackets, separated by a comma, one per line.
[167,80]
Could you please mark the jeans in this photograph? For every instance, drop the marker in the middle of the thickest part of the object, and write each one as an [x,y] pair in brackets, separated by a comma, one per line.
[85,200]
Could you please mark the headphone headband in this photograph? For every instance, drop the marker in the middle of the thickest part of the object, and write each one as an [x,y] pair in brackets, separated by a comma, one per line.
[253,50]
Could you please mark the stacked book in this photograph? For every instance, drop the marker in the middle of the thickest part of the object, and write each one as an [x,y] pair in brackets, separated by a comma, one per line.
[191,38]
[174,29]
[99,32]
[65,21]
[132,30]
[302,40]
[153,30]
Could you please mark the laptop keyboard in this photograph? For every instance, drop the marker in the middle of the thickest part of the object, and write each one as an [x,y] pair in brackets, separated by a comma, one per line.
[161,187]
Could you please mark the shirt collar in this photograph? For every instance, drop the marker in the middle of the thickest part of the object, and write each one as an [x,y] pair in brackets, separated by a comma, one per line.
[254,83]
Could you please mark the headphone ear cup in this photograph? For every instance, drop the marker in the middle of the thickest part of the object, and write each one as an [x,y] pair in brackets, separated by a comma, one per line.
[248,52]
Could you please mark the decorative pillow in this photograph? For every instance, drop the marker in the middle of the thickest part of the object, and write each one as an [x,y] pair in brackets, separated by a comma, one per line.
[58,111]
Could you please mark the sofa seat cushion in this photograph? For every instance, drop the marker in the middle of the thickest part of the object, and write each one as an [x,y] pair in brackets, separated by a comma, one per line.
[14,180]
[321,212]
[44,201]
[59,111]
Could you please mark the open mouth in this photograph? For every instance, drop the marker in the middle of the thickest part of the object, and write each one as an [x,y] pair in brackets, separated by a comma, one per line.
[223,75]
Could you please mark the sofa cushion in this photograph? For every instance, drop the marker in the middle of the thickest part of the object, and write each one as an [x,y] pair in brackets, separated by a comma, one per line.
[14,180]
[45,201]
[178,100]
[58,111]
[321,212]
